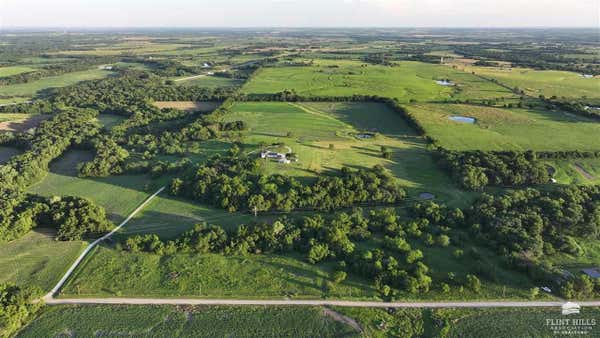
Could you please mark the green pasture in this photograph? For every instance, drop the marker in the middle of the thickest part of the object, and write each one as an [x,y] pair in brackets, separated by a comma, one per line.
[542,82]
[507,129]
[406,81]
[32,88]
[582,171]
[313,127]
[119,195]
[189,321]
[109,120]
[14,70]
[37,259]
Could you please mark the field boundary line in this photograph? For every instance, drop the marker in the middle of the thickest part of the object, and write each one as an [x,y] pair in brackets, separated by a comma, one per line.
[73,266]
[342,303]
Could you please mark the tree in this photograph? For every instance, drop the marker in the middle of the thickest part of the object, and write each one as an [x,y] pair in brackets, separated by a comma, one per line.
[473,283]
[317,252]
[339,276]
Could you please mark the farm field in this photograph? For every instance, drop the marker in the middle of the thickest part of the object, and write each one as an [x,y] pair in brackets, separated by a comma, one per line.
[20,122]
[498,323]
[193,321]
[507,129]
[37,259]
[407,81]
[188,105]
[313,127]
[14,70]
[33,88]
[548,83]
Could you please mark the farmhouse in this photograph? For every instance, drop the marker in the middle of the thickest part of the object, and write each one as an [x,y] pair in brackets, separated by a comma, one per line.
[271,154]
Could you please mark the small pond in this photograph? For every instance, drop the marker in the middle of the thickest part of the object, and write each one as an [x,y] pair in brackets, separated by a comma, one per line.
[426,196]
[462,119]
[365,135]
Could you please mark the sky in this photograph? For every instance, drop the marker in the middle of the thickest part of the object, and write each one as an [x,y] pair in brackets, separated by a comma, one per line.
[299,13]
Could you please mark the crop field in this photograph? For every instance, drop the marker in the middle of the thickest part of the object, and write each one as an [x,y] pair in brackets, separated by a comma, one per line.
[507,129]
[20,122]
[37,259]
[408,80]
[547,83]
[313,127]
[188,105]
[504,323]
[119,195]
[191,321]
[127,47]
[14,70]
[32,88]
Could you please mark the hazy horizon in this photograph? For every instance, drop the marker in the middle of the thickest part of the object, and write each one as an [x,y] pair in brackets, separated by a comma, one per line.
[98,14]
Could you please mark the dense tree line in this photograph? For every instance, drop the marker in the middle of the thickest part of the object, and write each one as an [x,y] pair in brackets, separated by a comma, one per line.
[17,307]
[73,217]
[108,160]
[476,169]
[234,183]
[574,107]
[49,140]
[531,222]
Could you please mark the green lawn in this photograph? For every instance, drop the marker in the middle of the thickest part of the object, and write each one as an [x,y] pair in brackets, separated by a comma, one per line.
[507,129]
[313,127]
[408,80]
[542,82]
[189,321]
[32,88]
[37,259]
[119,195]
[14,70]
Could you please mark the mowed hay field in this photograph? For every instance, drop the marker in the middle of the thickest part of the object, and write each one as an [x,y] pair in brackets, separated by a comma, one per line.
[32,88]
[189,321]
[188,105]
[310,128]
[507,129]
[407,80]
[20,122]
[37,259]
[543,82]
